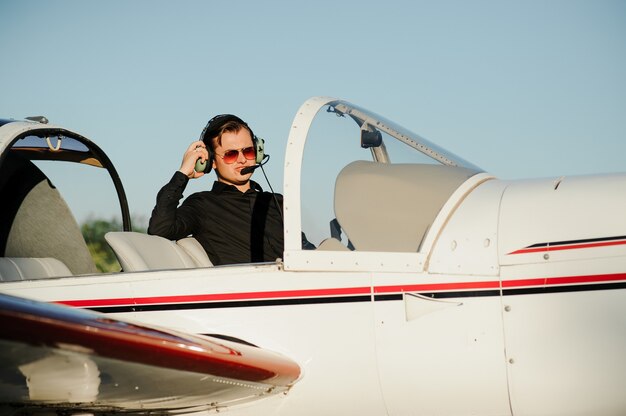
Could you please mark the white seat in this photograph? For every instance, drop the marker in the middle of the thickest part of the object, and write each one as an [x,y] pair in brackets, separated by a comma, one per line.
[389,207]
[196,251]
[140,252]
[26,268]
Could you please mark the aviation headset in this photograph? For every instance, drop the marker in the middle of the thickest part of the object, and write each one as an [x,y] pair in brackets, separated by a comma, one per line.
[212,130]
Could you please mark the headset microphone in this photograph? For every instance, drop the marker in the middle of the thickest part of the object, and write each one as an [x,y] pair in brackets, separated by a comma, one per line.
[249,169]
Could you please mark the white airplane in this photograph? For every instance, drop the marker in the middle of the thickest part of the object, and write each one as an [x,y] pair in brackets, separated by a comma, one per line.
[439,290]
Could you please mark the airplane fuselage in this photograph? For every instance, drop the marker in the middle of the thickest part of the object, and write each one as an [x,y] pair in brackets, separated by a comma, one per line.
[506,313]
[455,294]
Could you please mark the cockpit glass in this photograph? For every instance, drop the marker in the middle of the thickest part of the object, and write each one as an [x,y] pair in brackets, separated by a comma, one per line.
[417,146]
[53,143]
[341,134]
[83,184]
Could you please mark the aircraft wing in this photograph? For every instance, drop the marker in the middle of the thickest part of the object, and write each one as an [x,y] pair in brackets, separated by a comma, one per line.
[58,358]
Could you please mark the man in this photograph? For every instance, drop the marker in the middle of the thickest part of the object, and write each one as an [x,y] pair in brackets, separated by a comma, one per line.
[236,222]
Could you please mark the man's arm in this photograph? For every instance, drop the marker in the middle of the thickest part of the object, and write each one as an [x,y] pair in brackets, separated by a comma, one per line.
[167,219]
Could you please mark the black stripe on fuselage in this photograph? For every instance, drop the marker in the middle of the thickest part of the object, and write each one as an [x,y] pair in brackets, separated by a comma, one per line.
[358,299]
[233,304]
[564,289]
[586,241]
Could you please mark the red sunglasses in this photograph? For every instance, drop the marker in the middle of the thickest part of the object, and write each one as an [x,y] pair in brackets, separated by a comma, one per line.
[231,156]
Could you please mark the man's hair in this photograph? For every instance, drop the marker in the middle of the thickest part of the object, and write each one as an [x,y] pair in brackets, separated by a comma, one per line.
[224,123]
[230,127]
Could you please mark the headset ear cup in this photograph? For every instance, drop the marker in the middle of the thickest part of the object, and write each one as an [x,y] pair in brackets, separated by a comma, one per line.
[259,147]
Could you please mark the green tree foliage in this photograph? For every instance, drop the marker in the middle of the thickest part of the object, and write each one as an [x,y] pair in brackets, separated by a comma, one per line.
[93,231]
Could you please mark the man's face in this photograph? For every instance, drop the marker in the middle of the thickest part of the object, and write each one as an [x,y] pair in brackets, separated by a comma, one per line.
[231,173]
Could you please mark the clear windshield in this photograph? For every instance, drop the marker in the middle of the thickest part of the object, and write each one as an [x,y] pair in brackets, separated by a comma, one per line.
[342,133]
[55,147]
[394,135]
[60,205]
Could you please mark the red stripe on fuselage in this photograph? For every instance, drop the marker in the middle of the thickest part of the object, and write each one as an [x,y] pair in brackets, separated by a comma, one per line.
[219,297]
[438,287]
[350,291]
[568,247]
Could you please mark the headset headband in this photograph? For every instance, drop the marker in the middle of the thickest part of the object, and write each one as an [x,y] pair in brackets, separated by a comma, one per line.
[212,130]
[214,126]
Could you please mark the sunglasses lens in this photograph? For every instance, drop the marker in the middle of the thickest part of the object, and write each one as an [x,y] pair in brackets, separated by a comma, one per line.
[231,156]
[248,153]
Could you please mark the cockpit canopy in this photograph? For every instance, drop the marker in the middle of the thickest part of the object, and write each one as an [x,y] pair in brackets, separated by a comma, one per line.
[381,184]
[36,221]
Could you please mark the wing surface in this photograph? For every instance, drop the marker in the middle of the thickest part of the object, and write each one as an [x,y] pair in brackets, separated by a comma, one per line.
[58,358]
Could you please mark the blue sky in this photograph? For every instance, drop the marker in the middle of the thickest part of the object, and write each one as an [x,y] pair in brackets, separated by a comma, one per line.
[519,88]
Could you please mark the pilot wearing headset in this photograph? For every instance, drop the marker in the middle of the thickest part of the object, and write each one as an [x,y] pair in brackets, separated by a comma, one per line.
[236,221]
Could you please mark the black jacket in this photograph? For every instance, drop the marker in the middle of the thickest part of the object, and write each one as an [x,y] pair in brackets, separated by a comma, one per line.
[233,227]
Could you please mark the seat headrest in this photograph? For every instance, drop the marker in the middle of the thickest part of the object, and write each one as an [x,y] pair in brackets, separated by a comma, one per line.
[389,207]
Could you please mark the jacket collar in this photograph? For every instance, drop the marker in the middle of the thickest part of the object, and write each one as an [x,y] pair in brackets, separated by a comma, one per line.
[219,187]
